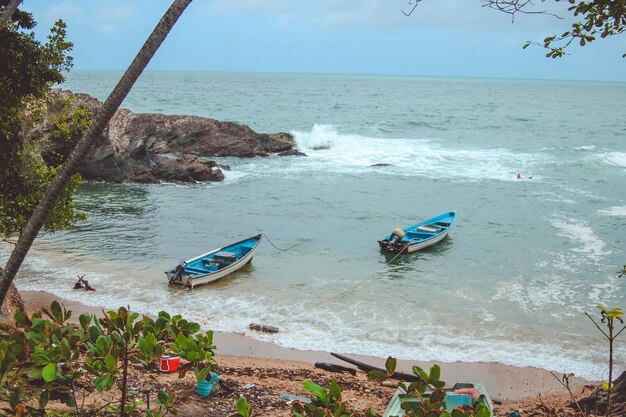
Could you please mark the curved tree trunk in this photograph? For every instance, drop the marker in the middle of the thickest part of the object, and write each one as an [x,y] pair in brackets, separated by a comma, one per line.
[8,11]
[112,103]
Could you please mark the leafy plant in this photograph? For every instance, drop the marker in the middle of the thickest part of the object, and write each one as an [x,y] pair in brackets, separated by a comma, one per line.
[609,318]
[45,358]
[165,401]
[427,392]
[197,350]
[326,402]
[243,408]
[29,69]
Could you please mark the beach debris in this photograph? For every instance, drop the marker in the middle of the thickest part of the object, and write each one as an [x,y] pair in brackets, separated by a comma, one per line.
[169,363]
[334,368]
[263,328]
[208,387]
[290,398]
[248,386]
[366,368]
[474,392]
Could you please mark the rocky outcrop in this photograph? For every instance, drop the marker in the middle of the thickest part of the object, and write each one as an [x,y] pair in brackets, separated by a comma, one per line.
[12,304]
[151,148]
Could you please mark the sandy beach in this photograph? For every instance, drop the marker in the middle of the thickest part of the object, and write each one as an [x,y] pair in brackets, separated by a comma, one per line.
[248,359]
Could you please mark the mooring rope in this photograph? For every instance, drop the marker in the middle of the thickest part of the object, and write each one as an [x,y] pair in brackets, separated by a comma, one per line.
[394,258]
[348,290]
[283,250]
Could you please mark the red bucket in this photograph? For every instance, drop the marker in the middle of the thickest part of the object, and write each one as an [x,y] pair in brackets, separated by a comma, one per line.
[169,363]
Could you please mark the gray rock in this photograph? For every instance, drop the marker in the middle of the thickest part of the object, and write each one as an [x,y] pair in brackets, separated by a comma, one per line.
[151,148]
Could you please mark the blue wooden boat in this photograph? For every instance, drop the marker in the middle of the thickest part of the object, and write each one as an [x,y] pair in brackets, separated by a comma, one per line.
[461,395]
[215,264]
[418,236]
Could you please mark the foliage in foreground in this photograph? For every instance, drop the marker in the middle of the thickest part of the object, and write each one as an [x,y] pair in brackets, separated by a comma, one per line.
[428,392]
[595,18]
[46,359]
[601,18]
[28,69]
[610,318]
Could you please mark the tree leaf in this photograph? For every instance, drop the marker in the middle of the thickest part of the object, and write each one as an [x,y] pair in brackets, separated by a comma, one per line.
[243,408]
[34,373]
[55,309]
[181,341]
[435,373]
[335,390]
[420,372]
[84,320]
[110,362]
[49,372]
[483,411]
[43,399]
[390,365]
[316,390]
[378,376]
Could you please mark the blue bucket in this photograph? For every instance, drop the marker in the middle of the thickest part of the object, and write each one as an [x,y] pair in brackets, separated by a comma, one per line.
[205,388]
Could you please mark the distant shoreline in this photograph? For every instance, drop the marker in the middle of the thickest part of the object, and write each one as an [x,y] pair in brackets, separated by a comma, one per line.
[504,382]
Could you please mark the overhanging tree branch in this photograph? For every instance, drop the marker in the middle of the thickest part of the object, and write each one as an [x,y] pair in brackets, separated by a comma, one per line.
[513,7]
[8,11]
[411,3]
[112,103]
[601,18]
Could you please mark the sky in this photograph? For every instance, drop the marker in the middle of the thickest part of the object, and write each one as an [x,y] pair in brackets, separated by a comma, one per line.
[441,38]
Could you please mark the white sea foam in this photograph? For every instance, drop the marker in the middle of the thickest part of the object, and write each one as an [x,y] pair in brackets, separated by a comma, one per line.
[320,137]
[613,158]
[555,197]
[585,148]
[406,156]
[233,176]
[588,242]
[613,211]
[355,327]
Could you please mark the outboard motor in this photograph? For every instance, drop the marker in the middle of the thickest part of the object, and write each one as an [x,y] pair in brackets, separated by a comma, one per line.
[180,269]
[396,237]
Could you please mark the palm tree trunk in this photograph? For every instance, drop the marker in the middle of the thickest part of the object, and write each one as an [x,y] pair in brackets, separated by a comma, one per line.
[8,11]
[110,106]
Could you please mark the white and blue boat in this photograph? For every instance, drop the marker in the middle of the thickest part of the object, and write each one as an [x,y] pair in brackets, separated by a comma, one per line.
[418,236]
[215,264]
[461,396]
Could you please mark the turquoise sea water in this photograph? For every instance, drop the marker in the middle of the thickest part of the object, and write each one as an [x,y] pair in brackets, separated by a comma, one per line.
[510,284]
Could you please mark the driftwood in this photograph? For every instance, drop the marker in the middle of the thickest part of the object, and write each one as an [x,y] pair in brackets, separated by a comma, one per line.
[334,368]
[366,368]
[263,328]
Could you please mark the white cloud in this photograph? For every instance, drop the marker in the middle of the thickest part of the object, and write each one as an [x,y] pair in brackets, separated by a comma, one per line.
[109,17]
[67,11]
[106,28]
[250,6]
[116,14]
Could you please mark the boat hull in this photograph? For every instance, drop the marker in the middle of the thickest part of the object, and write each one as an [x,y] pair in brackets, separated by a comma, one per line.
[418,236]
[191,278]
[421,245]
[454,400]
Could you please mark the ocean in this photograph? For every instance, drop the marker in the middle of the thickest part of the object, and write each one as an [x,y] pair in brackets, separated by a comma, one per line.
[510,284]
